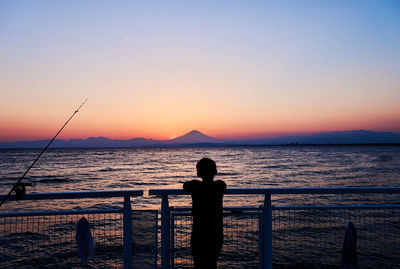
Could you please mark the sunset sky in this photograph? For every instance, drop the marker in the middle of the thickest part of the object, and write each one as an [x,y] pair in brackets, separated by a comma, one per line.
[158,69]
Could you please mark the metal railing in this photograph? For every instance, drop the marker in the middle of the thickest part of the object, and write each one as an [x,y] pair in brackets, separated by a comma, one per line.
[274,223]
[266,259]
[20,227]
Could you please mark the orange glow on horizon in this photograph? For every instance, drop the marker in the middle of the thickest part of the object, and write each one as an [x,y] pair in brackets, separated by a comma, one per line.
[79,130]
[163,121]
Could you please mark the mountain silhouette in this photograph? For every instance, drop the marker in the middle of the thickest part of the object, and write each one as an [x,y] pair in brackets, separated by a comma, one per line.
[195,137]
[337,137]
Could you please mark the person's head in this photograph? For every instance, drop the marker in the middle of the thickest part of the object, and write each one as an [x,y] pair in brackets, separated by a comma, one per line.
[206,169]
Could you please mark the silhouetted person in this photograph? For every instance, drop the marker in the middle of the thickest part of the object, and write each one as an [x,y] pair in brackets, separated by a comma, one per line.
[349,252]
[207,233]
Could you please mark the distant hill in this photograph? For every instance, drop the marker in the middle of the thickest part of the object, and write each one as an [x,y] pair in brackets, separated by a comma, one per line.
[197,138]
[345,137]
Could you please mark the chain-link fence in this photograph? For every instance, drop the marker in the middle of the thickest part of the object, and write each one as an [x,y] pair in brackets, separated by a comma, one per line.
[47,239]
[241,247]
[303,237]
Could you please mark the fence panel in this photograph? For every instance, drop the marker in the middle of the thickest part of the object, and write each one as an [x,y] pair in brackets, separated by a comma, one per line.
[48,240]
[314,237]
[241,239]
[303,237]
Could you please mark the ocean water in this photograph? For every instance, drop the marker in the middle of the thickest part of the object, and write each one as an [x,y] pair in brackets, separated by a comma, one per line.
[72,170]
[310,238]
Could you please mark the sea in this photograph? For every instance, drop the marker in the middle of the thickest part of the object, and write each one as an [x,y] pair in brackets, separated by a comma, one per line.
[290,166]
[109,169]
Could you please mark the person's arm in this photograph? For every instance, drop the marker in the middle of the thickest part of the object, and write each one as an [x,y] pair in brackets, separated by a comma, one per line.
[221,185]
[188,186]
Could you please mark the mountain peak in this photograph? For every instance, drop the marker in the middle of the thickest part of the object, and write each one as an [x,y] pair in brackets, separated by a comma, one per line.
[194,136]
[194,132]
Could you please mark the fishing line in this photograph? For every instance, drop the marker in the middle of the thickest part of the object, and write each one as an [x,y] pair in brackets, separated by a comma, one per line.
[19,188]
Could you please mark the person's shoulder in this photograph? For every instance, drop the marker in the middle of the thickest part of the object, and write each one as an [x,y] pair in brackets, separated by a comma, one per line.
[192,182]
[220,184]
[188,185]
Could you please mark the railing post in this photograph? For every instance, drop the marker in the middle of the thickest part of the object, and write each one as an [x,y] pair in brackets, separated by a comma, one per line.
[172,237]
[261,239]
[127,233]
[267,232]
[165,232]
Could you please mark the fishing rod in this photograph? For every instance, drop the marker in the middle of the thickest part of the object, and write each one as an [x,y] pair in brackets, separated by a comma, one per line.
[19,188]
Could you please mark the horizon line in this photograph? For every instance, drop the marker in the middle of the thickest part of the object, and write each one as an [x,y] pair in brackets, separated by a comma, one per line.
[240,138]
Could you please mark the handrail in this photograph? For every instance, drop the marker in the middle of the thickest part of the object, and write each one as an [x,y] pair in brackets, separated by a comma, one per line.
[294,207]
[162,192]
[61,212]
[76,195]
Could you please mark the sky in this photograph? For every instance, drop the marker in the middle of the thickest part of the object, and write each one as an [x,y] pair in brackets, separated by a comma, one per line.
[230,69]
